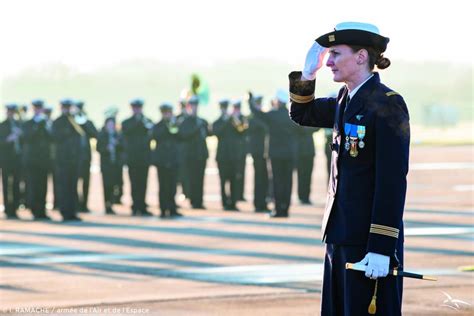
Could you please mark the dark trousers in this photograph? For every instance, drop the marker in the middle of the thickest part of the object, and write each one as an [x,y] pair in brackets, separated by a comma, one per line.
[305,170]
[67,175]
[349,292]
[167,179]
[37,183]
[228,176]
[84,177]
[138,181]
[196,170]
[183,178]
[54,179]
[240,177]
[260,183]
[282,170]
[111,181]
[11,188]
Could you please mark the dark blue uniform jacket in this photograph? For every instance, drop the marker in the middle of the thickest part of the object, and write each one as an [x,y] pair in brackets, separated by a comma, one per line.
[366,193]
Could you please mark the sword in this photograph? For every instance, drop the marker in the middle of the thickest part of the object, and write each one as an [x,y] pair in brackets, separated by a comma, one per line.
[394,272]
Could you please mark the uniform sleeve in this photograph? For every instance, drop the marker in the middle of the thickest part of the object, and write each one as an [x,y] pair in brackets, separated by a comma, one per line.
[392,140]
[305,110]
[259,114]
[101,142]
[90,129]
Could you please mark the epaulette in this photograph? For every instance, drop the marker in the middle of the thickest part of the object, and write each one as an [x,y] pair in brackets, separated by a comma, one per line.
[390,93]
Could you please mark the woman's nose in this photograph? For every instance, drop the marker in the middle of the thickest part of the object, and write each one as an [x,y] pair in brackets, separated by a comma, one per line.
[329,62]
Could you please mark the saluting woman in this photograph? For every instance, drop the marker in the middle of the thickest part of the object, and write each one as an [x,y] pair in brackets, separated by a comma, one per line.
[367,187]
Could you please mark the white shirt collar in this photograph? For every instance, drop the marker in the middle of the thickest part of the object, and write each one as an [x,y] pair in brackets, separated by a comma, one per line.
[354,91]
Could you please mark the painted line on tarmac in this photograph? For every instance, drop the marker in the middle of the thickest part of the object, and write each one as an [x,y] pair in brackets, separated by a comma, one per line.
[128,242]
[78,257]
[464,187]
[438,231]
[442,166]
[469,213]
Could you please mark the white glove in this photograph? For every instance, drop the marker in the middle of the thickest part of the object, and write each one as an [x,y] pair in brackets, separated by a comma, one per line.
[314,61]
[377,265]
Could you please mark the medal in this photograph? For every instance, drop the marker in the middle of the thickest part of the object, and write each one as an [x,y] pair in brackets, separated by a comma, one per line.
[347,131]
[353,141]
[361,135]
[353,152]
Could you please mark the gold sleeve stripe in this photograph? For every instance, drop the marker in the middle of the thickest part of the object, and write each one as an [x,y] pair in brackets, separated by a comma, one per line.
[390,93]
[383,232]
[393,229]
[301,99]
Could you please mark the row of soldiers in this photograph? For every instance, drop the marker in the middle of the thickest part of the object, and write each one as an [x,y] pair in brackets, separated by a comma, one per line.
[176,145]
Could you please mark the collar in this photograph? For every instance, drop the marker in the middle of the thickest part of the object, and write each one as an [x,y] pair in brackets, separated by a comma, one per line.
[354,91]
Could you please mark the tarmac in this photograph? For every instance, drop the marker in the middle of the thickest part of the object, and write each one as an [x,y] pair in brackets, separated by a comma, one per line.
[213,262]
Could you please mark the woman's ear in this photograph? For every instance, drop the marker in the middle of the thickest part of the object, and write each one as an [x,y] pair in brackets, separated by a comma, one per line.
[362,56]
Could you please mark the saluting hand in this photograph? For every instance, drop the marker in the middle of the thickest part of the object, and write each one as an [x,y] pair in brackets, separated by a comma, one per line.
[377,265]
[314,61]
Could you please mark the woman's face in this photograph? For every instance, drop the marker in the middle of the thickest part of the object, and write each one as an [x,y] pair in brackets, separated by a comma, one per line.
[343,63]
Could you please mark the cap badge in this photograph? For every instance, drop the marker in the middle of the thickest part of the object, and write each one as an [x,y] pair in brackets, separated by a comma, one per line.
[332,38]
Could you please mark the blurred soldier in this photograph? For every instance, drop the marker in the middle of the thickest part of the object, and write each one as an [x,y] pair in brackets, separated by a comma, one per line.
[165,158]
[305,162]
[241,124]
[110,146]
[137,136]
[37,159]
[47,111]
[67,135]
[282,150]
[230,133]
[112,112]
[194,131]
[86,156]
[10,160]
[183,178]
[22,116]
[257,134]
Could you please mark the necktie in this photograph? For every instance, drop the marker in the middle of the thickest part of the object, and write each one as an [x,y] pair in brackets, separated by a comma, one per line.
[347,103]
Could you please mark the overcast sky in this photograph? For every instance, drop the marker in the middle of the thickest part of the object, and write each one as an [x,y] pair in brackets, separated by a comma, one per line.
[87,34]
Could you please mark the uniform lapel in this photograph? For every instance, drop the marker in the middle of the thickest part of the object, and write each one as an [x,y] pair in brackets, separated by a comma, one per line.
[340,110]
[357,102]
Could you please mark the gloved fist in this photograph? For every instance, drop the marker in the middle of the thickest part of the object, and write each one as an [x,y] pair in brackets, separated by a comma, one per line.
[314,61]
[376,265]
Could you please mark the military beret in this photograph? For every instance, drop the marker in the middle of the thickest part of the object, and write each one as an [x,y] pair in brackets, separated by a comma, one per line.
[48,108]
[137,102]
[237,103]
[166,106]
[224,103]
[193,99]
[258,97]
[66,102]
[354,33]
[37,103]
[11,106]
[111,111]
[79,104]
